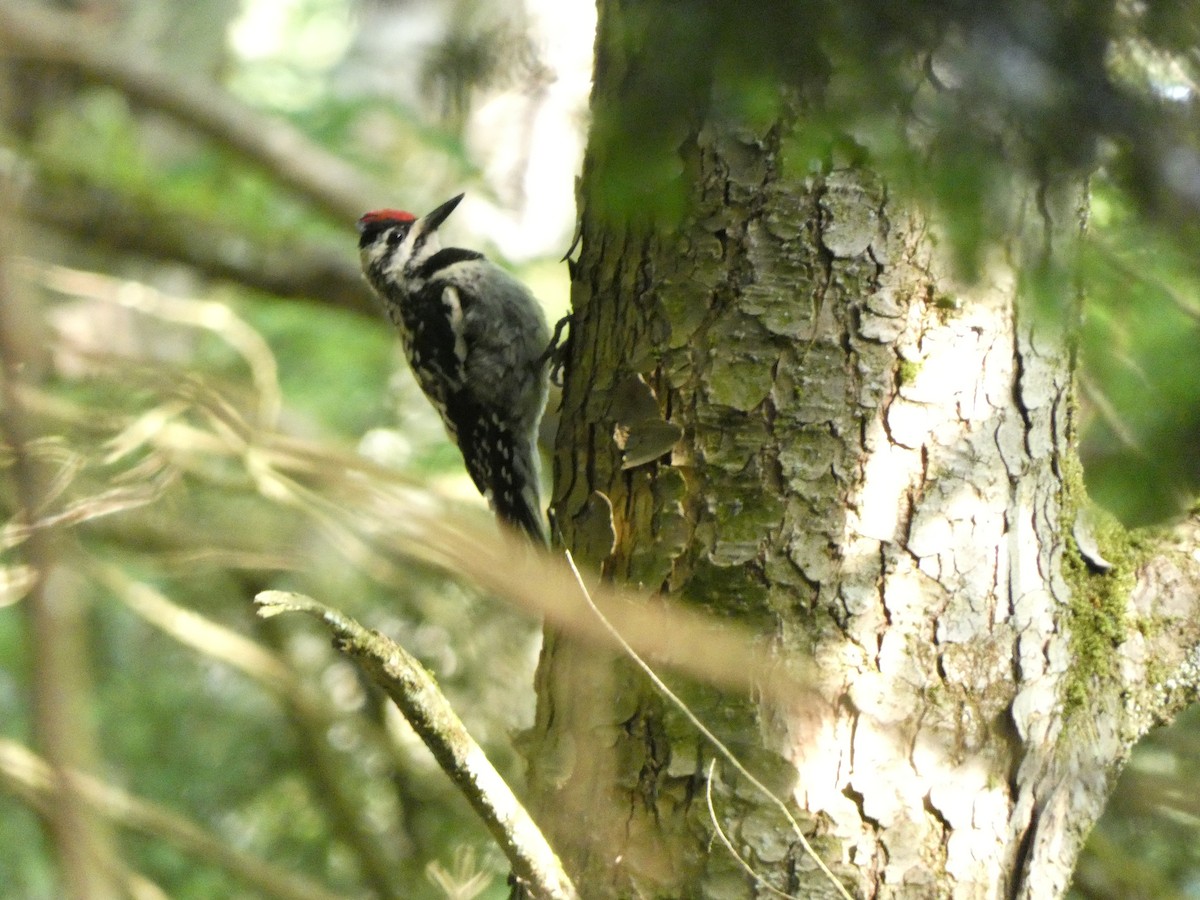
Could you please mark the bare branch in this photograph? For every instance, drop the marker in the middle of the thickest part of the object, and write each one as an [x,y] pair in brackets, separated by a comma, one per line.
[413,689]
[285,268]
[41,36]
[1164,659]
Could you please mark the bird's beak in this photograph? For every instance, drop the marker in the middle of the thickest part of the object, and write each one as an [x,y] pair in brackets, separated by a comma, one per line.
[431,222]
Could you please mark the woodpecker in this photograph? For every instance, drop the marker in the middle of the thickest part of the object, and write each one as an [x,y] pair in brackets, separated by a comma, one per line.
[477,342]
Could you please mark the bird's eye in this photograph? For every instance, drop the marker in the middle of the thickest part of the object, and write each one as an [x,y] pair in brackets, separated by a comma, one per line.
[393,238]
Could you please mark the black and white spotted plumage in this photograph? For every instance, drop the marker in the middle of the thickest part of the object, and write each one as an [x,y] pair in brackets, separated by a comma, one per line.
[476,340]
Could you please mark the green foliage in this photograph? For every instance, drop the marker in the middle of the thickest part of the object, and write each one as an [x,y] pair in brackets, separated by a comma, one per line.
[25,866]
[290,49]
[1140,336]
[98,140]
[331,364]
[1145,846]
[1013,84]
[183,728]
[205,437]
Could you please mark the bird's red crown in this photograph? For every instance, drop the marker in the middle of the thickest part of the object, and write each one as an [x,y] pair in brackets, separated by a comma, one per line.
[386,215]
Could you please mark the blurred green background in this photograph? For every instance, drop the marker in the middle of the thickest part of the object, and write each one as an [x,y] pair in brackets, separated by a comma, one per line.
[211,386]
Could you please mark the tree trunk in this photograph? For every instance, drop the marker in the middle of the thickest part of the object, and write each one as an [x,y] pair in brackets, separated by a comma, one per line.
[787,412]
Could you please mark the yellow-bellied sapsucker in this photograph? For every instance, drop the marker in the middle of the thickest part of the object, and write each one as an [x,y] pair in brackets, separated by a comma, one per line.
[477,342]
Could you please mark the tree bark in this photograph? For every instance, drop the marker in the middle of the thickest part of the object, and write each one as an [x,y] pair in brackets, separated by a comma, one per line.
[786,411]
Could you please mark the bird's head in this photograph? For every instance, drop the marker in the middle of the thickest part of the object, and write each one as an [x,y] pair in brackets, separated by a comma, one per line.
[393,243]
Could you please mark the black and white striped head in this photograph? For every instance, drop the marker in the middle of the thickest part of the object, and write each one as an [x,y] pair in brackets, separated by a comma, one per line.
[392,244]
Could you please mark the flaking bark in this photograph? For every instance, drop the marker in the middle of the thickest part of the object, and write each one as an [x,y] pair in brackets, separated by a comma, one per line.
[873,464]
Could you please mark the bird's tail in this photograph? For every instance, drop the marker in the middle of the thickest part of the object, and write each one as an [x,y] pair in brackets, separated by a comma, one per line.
[517,500]
[525,515]
[507,471]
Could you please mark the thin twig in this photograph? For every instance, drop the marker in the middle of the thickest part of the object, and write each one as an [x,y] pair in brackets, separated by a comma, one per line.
[28,775]
[724,839]
[718,745]
[417,695]
[311,715]
[53,618]
[209,315]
